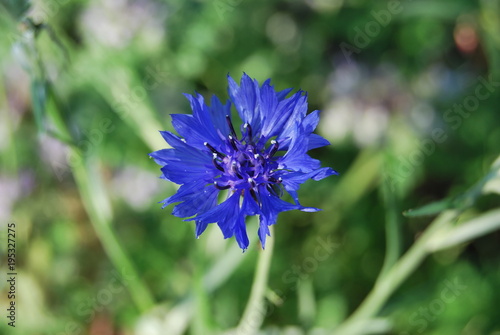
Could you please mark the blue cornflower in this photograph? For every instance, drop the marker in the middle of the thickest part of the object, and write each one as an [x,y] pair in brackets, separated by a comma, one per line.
[252,166]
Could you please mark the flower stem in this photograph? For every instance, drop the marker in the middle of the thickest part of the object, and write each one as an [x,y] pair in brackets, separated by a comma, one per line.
[97,206]
[255,311]
[388,282]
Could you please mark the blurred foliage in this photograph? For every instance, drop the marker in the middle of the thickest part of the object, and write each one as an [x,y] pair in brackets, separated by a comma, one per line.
[409,94]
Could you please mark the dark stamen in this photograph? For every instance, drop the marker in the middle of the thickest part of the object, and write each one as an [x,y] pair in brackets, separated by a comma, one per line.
[274,148]
[233,142]
[234,168]
[230,124]
[275,189]
[254,195]
[221,187]
[249,131]
[216,164]
[252,182]
[271,189]
[211,148]
[274,180]
[259,158]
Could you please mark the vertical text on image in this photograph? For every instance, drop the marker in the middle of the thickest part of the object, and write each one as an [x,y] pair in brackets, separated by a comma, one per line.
[11,274]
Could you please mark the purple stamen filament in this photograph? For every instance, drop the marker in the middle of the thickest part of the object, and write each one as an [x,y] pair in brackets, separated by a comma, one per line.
[245,164]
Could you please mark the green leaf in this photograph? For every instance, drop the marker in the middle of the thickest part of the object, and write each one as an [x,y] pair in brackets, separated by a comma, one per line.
[39,99]
[490,183]
[430,209]
[490,23]
[483,186]
[392,221]
[16,8]
[474,228]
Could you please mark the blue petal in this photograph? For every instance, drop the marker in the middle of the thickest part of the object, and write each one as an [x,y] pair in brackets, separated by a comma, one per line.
[198,202]
[268,102]
[288,112]
[196,103]
[249,206]
[298,105]
[282,94]
[192,130]
[218,113]
[271,206]
[295,196]
[225,214]
[163,156]
[181,167]
[207,121]
[186,153]
[182,174]
[172,139]
[292,180]
[240,233]
[244,98]
[184,163]
[200,228]
[296,158]
[263,232]
[316,141]
[298,162]
[184,192]
[310,122]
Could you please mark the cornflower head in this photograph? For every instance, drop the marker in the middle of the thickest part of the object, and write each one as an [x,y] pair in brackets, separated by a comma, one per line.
[253,166]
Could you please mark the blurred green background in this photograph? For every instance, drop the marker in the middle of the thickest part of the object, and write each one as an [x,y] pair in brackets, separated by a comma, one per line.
[409,94]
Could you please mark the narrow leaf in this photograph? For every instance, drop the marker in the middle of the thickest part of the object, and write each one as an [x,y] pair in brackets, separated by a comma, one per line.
[474,228]
[39,99]
[430,209]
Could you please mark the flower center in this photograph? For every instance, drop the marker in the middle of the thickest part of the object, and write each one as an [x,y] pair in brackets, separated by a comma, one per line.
[246,164]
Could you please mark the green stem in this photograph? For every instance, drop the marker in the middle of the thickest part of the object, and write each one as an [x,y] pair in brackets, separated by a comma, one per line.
[96,204]
[102,226]
[9,156]
[392,228]
[254,313]
[392,279]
